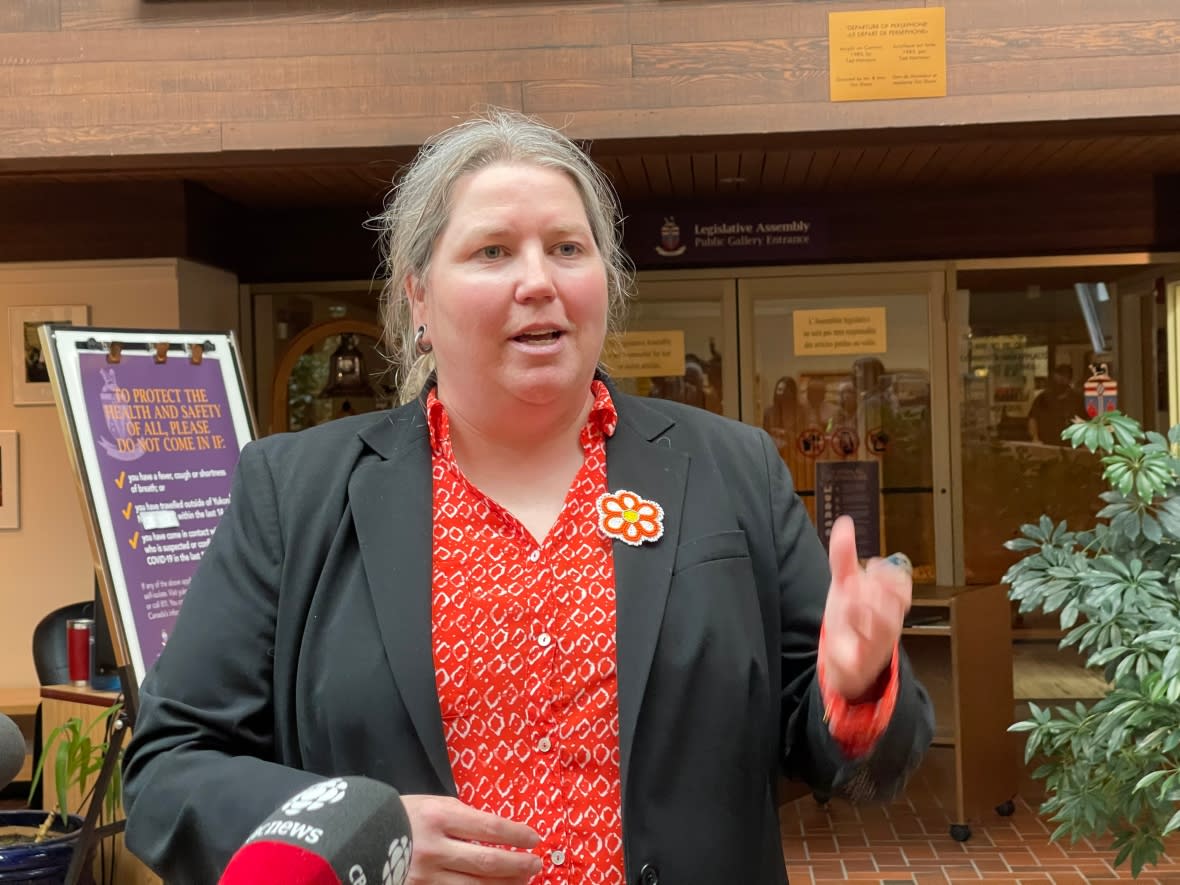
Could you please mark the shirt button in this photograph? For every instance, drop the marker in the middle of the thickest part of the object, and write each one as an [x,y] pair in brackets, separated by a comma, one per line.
[544,745]
[534,556]
[543,640]
[557,856]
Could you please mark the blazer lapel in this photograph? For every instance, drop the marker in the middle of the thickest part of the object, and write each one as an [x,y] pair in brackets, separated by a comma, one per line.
[391,501]
[639,460]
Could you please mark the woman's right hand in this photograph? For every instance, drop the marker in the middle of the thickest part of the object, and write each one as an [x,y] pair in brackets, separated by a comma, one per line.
[445,852]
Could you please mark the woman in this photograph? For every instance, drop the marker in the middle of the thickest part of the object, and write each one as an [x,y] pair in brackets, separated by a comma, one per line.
[781,418]
[578,631]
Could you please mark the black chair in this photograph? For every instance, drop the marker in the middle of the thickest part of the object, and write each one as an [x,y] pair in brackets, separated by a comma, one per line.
[51,659]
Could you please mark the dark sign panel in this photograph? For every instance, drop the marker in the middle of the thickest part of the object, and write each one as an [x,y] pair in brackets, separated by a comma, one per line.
[716,237]
[852,488]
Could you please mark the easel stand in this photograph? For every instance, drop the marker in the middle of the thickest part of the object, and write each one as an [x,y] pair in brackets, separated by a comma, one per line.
[91,834]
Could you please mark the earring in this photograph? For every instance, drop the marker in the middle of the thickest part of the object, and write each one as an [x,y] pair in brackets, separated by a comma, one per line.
[423,347]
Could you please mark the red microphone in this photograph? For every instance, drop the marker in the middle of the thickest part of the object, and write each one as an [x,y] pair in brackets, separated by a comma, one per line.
[344,831]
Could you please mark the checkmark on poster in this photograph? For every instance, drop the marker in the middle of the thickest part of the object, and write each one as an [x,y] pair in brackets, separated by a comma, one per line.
[122,478]
[127,511]
[134,541]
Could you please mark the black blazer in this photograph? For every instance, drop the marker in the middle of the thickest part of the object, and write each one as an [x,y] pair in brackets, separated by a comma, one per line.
[303,650]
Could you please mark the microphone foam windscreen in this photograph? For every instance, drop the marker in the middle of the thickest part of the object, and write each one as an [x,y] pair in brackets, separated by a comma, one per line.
[12,750]
[269,863]
[356,826]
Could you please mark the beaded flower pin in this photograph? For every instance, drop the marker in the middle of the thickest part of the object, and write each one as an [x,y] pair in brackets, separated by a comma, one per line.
[630,518]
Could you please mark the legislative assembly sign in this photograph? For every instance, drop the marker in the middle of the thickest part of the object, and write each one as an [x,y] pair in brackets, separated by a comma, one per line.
[157,420]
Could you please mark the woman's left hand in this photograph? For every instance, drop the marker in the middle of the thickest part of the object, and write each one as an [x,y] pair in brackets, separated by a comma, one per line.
[863,616]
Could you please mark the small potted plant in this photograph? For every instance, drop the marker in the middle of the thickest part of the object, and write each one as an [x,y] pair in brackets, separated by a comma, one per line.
[37,845]
[1112,770]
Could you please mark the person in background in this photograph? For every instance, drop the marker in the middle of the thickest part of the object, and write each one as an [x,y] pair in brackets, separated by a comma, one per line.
[1055,407]
[846,410]
[817,411]
[669,387]
[781,418]
[713,368]
[699,388]
[874,389]
[582,633]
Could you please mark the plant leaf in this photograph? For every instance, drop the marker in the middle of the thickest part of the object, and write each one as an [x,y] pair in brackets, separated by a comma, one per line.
[61,784]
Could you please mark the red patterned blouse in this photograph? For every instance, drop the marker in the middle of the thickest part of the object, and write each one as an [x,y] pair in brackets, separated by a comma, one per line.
[524,654]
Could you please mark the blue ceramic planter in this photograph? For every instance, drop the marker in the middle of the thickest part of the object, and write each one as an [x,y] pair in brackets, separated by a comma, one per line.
[42,864]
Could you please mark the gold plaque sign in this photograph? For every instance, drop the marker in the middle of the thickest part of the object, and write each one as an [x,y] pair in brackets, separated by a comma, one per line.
[887,53]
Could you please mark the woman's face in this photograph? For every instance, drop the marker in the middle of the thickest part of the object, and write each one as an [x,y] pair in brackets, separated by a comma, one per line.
[515,298]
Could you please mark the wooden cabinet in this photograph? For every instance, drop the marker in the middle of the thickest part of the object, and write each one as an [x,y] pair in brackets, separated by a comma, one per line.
[960,643]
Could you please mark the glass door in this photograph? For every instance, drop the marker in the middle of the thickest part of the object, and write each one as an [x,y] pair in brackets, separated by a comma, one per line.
[1034,341]
[680,343]
[848,374]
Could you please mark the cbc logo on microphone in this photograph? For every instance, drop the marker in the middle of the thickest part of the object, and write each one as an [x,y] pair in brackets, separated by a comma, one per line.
[316,797]
[395,870]
[397,867]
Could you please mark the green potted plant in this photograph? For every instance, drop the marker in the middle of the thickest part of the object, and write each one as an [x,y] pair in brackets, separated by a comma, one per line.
[1112,769]
[39,844]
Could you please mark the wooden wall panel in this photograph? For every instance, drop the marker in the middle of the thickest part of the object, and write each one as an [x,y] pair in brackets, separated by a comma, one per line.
[1074,40]
[720,21]
[106,140]
[789,57]
[699,91]
[129,77]
[127,14]
[313,72]
[1091,45]
[987,14]
[30,15]
[961,110]
[349,132]
[256,41]
[285,104]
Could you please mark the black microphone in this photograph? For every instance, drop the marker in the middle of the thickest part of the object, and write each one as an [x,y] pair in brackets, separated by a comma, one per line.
[12,751]
[344,831]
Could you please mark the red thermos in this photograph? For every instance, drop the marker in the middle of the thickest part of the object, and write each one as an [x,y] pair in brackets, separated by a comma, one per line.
[78,633]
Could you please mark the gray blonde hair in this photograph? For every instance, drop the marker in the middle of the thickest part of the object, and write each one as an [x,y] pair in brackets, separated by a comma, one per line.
[419,208]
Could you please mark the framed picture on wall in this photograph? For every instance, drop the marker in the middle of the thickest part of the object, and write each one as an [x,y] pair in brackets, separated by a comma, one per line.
[9,480]
[30,377]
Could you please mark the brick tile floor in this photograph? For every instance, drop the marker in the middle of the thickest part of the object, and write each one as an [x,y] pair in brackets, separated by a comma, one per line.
[909,842]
